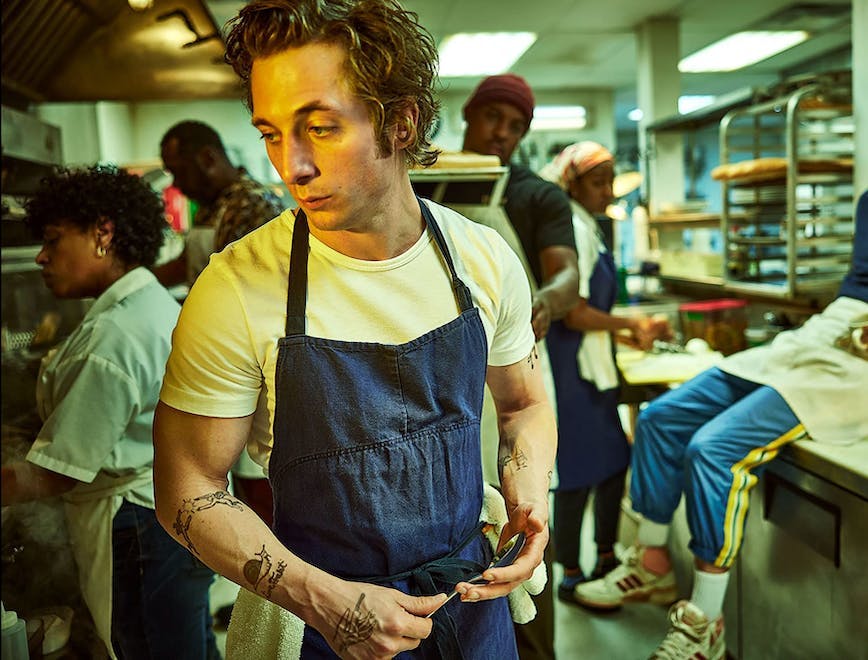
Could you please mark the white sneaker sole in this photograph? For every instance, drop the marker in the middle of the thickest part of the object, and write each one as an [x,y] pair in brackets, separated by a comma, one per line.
[662,596]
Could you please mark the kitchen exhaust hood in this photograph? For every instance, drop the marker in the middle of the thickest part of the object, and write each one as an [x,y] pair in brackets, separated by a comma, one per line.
[103,50]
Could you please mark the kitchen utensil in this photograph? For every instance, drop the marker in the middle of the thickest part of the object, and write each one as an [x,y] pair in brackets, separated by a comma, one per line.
[504,557]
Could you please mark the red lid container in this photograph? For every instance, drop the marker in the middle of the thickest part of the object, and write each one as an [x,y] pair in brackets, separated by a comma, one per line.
[720,322]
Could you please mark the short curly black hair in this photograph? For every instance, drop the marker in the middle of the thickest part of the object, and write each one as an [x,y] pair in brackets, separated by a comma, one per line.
[87,196]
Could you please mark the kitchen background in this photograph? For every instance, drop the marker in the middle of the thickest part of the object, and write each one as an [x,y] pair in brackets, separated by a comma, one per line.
[87,81]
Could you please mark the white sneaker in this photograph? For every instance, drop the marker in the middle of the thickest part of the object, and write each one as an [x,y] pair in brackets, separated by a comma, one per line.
[629,582]
[692,636]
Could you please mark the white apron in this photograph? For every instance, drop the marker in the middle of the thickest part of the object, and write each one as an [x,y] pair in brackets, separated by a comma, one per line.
[90,510]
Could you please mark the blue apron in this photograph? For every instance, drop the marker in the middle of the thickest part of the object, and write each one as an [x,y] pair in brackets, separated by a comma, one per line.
[376,466]
[591,441]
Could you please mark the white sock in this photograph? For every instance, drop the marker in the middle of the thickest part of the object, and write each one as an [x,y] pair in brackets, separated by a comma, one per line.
[651,533]
[709,590]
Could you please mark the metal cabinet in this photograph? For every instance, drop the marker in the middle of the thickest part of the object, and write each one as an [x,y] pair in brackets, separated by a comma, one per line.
[803,587]
[787,215]
[799,588]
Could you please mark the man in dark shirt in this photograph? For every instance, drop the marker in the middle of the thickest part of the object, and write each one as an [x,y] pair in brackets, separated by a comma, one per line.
[498,116]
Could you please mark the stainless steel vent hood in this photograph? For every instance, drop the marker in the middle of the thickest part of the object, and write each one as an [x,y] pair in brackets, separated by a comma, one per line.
[102,50]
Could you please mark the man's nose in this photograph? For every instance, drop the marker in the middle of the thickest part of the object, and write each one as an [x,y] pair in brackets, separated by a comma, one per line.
[297,166]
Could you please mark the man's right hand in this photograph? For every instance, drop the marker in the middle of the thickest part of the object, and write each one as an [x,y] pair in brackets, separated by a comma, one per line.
[368,622]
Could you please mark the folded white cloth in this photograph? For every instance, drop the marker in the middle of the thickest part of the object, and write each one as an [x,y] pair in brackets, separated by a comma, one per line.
[260,629]
[521,605]
[594,359]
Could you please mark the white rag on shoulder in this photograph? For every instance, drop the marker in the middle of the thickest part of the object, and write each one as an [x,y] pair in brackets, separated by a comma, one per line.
[260,629]
[594,359]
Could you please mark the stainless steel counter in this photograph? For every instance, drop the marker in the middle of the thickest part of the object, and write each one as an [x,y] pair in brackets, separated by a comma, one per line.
[844,466]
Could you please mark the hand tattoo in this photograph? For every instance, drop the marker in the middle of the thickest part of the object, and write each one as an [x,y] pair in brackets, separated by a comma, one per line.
[355,626]
[189,508]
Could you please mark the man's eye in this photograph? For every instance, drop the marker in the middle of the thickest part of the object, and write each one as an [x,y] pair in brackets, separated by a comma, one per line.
[268,137]
[320,131]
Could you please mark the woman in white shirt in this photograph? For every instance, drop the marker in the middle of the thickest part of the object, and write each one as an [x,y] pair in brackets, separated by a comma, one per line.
[102,228]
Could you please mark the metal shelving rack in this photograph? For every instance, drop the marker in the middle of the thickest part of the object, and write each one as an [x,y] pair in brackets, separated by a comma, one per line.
[788,233]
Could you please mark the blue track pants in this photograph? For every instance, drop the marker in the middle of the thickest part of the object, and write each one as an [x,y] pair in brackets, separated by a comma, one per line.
[708,439]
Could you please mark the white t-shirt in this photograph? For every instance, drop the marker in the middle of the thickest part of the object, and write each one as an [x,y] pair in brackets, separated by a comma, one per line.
[224,349]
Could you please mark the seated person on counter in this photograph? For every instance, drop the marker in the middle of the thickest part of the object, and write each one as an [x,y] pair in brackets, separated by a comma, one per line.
[102,228]
[361,330]
[712,437]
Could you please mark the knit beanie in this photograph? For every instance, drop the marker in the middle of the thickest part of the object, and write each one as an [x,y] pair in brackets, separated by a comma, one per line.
[505,88]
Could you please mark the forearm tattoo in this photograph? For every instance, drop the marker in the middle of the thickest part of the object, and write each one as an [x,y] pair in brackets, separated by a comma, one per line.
[533,357]
[258,569]
[190,508]
[355,626]
[516,461]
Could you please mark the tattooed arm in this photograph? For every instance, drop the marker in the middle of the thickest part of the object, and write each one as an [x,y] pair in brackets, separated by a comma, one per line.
[528,439]
[192,456]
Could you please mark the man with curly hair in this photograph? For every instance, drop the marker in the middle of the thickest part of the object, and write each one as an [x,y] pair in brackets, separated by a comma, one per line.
[347,345]
[101,229]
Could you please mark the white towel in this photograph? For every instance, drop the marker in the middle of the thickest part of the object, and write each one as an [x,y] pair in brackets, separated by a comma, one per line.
[259,629]
[594,359]
[521,605]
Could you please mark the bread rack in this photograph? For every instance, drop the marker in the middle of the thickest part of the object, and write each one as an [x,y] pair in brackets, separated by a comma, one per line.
[787,185]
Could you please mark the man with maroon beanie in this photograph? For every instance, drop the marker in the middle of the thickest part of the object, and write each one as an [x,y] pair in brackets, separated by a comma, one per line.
[498,115]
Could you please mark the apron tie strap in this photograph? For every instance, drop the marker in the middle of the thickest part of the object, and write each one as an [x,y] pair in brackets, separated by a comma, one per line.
[434,577]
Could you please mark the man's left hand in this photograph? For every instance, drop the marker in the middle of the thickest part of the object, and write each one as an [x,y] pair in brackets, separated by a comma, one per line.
[541,316]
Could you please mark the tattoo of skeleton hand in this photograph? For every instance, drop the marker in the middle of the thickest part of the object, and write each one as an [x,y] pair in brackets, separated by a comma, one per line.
[355,625]
[190,508]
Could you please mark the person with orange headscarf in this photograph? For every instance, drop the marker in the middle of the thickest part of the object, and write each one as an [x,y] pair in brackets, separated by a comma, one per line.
[593,452]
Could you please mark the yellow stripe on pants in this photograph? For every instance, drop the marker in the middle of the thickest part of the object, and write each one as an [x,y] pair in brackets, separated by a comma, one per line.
[739,492]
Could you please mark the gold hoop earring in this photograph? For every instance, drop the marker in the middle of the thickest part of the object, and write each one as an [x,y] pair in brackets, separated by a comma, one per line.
[100,250]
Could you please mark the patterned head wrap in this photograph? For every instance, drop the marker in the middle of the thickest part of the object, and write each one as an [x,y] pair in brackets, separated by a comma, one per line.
[574,161]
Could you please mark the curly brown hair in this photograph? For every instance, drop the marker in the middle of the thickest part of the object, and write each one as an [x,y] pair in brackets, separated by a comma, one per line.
[391,59]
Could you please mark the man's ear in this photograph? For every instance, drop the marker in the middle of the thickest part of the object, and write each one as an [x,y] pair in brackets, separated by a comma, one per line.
[406,127]
[206,158]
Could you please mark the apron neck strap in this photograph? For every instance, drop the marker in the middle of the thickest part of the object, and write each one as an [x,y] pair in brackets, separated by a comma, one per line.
[462,293]
[296,299]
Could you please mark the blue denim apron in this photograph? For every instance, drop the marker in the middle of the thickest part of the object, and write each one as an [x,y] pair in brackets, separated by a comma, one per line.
[376,466]
[591,442]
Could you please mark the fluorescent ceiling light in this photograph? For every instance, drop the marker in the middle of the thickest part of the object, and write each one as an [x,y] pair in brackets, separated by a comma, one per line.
[482,53]
[686,103]
[559,118]
[691,102]
[740,50]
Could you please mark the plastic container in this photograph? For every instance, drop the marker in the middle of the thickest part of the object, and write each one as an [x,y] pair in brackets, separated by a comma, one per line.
[14,637]
[721,323]
[756,336]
